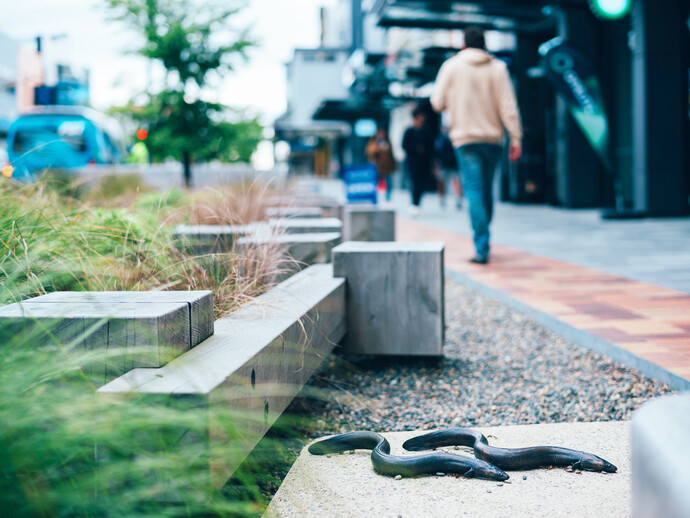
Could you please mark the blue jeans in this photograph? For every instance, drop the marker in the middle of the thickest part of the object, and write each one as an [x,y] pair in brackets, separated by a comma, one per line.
[388,178]
[477,166]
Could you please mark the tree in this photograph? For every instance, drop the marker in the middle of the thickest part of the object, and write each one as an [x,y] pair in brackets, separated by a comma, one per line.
[195,43]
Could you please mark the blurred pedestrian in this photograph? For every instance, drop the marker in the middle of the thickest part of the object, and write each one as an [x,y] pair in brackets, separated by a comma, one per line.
[476,90]
[380,152]
[446,168]
[418,143]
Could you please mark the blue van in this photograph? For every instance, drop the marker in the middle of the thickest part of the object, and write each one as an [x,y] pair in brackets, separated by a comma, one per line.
[62,137]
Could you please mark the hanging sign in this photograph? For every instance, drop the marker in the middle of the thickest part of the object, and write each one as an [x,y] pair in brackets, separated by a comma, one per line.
[573,77]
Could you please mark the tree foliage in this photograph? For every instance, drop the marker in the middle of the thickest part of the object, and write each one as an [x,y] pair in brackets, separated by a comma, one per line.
[195,42]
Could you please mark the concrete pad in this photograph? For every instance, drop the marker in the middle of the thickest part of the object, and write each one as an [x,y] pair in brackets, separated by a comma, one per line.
[346,485]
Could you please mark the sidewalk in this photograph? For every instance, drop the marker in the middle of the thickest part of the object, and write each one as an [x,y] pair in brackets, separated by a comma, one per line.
[619,287]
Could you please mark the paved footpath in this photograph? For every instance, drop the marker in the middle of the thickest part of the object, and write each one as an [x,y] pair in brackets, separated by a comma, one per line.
[620,287]
[643,324]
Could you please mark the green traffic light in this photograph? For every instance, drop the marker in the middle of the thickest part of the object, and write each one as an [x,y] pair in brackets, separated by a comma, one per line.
[610,9]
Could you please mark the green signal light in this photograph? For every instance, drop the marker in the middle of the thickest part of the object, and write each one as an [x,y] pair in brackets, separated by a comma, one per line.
[610,9]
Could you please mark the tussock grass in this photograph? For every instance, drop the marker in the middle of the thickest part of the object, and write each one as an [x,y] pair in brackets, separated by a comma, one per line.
[52,242]
[63,450]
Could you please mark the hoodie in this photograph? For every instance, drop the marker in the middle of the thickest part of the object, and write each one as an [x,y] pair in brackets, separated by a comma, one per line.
[476,89]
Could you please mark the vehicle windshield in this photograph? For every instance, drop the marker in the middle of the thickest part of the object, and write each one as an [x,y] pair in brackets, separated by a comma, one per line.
[34,137]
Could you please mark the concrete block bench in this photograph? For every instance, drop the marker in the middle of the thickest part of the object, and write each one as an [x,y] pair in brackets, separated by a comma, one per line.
[146,329]
[294,212]
[206,239]
[330,207]
[252,367]
[368,223]
[306,225]
[660,458]
[299,250]
[395,302]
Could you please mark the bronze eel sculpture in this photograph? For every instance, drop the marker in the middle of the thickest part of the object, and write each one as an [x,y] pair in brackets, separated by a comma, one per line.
[411,466]
[509,458]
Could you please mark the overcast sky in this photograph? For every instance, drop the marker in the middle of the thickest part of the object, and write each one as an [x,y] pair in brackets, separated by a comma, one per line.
[77,31]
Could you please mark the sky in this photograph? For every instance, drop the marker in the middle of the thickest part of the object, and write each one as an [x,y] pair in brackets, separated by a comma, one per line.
[79,33]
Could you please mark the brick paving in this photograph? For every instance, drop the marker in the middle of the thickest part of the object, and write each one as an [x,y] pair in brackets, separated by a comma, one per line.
[646,320]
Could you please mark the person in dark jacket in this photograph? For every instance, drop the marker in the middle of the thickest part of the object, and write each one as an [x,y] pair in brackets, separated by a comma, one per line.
[446,168]
[418,144]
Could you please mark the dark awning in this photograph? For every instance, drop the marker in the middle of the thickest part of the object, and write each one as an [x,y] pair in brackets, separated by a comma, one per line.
[286,129]
[501,15]
[348,110]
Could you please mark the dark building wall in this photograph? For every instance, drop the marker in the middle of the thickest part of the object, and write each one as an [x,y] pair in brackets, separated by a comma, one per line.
[660,61]
[617,80]
[577,168]
[530,180]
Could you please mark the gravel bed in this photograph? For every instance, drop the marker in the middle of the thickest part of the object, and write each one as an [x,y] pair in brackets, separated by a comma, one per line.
[499,367]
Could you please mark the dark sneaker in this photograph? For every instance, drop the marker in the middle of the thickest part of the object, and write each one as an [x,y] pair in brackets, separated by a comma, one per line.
[479,260]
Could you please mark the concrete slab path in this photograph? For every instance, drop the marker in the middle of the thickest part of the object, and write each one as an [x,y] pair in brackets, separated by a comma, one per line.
[347,486]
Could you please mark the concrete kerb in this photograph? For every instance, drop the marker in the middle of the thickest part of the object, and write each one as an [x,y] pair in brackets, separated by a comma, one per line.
[252,367]
[581,337]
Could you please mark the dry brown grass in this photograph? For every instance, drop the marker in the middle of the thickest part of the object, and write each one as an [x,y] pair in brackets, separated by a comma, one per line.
[224,205]
[52,241]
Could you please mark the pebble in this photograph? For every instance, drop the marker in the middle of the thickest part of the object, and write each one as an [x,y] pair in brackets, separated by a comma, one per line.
[439,474]
[499,484]
[524,477]
[398,477]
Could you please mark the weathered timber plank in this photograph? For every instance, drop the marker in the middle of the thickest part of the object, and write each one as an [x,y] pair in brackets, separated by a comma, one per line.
[199,303]
[130,334]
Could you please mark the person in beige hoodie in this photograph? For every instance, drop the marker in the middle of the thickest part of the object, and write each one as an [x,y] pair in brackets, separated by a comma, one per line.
[475,88]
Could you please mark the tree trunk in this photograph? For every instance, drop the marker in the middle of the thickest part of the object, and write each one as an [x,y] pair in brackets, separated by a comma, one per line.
[187,163]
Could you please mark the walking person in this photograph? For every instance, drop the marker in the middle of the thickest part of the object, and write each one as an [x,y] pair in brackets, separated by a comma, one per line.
[418,144]
[380,153]
[476,90]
